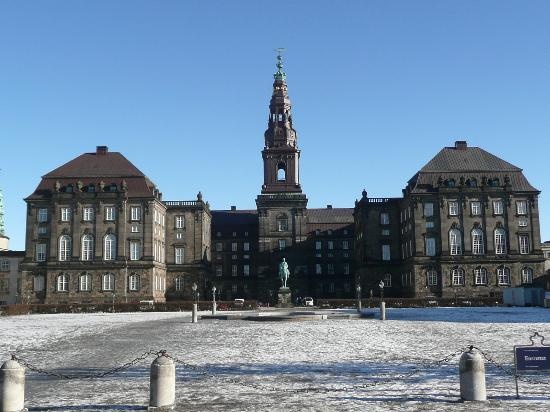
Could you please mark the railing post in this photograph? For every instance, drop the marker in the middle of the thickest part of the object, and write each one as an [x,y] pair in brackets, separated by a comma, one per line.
[382,310]
[472,376]
[12,387]
[162,384]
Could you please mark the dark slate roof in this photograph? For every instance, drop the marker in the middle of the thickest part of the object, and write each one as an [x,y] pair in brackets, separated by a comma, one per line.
[330,215]
[468,162]
[92,168]
[12,253]
[234,217]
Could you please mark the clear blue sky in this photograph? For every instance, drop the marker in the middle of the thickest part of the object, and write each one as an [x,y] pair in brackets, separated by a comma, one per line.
[182,88]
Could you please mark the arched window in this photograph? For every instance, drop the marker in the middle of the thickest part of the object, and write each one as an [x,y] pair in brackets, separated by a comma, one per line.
[133,282]
[477,242]
[108,282]
[281,172]
[457,277]
[64,248]
[472,182]
[85,282]
[179,283]
[500,241]
[87,247]
[63,283]
[503,275]
[480,276]
[455,241]
[109,247]
[526,275]
[431,277]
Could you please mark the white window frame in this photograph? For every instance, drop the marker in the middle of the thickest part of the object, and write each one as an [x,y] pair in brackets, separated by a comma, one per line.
[246,246]
[318,269]
[85,282]
[475,208]
[526,275]
[498,207]
[62,283]
[234,246]
[88,214]
[180,222]
[503,275]
[457,277]
[431,277]
[219,247]
[428,209]
[345,245]
[179,283]
[384,218]
[65,214]
[219,270]
[40,252]
[453,208]
[110,213]
[135,250]
[524,244]
[87,248]
[234,269]
[455,242]
[330,245]
[64,248]
[387,280]
[480,276]
[135,213]
[282,244]
[246,270]
[109,247]
[521,207]
[38,283]
[179,254]
[282,224]
[346,269]
[430,246]
[318,245]
[386,252]
[500,241]
[477,242]
[330,268]
[108,282]
[134,282]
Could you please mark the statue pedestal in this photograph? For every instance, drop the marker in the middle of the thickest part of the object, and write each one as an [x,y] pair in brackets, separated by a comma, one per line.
[284,298]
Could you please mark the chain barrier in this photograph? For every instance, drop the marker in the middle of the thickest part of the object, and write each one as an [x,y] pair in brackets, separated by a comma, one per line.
[112,371]
[509,371]
[204,372]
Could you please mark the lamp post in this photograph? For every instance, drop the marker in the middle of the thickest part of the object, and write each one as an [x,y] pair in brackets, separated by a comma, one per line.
[213,300]
[358,289]
[382,303]
[194,317]
[381,286]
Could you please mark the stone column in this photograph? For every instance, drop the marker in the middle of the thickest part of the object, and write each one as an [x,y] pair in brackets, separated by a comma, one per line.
[472,377]
[382,310]
[162,384]
[12,387]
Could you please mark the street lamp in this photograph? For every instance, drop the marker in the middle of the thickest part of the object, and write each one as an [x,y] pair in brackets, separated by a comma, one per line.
[358,289]
[194,289]
[213,300]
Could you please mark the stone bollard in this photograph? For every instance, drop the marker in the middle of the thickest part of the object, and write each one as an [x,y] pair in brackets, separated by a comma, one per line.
[194,317]
[472,376]
[163,384]
[12,387]
[382,310]
[213,308]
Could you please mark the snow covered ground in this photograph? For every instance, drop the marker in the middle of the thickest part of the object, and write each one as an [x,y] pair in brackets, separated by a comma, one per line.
[356,364]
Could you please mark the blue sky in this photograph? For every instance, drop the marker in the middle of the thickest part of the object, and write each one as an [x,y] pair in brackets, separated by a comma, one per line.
[182,89]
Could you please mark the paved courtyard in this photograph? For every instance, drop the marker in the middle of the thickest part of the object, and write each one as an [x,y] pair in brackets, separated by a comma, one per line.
[404,363]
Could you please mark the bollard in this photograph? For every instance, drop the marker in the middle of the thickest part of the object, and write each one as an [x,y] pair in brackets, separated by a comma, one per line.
[194,318]
[163,384]
[213,308]
[472,376]
[382,310]
[12,387]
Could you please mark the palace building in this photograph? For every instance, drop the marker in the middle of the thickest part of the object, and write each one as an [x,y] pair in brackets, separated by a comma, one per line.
[98,230]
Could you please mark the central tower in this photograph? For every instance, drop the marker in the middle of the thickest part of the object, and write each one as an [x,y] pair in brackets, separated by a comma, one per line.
[281,204]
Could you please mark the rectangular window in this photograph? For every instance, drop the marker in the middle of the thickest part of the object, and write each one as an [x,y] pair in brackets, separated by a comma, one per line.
[522,223]
[219,270]
[85,283]
[431,276]
[330,269]
[385,252]
[503,275]
[135,228]
[385,232]
[233,270]
[65,214]
[5,265]
[246,270]
[135,213]
[88,214]
[346,268]
[246,256]
[318,270]
[428,209]
[524,244]
[42,215]
[521,207]
[498,207]
[38,283]
[42,230]
[219,246]
[345,244]
[40,252]
[233,257]
[246,246]
[453,208]
[318,245]
[429,225]
[330,245]
[135,250]
[180,254]
[180,222]
[475,208]
[179,235]
[480,275]
[282,244]
[234,247]
[430,246]
[387,280]
[110,213]
[384,218]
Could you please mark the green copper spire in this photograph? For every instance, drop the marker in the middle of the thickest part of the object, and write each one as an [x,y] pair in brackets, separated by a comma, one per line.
[280,75]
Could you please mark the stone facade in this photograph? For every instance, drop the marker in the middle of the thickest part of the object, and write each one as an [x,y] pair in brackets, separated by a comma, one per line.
[10,277]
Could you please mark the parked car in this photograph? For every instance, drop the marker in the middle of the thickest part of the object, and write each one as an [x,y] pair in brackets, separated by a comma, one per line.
[308,301]
[238,303]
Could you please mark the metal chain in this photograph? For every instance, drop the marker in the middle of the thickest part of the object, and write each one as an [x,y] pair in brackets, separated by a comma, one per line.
[114,370]
[509,371]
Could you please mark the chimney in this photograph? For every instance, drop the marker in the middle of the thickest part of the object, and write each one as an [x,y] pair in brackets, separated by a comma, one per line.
[233,208]
[101,150]
[329,206]
[461,145]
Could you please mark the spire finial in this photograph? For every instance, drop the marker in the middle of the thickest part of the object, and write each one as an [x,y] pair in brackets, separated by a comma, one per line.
[280,75]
